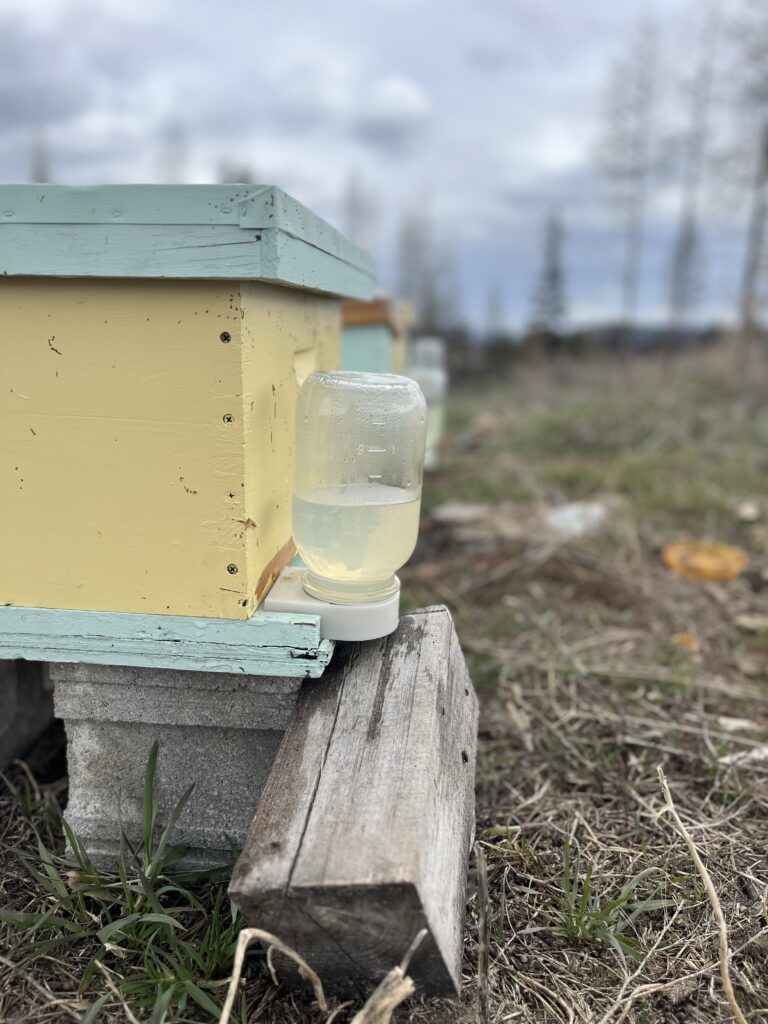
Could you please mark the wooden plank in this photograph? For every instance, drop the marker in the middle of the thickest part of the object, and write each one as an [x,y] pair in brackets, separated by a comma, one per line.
[130,250]
[363,831]
[128,204]
[269,644]
[290,260]
[377,311]
[234,232]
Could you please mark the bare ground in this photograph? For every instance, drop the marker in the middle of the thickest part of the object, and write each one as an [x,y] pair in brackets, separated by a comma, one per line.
[595,665]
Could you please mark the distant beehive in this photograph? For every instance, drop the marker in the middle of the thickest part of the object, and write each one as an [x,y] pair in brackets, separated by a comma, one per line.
[154,339]
[372,339]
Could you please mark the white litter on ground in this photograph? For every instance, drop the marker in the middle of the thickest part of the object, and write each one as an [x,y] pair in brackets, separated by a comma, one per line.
[576,519]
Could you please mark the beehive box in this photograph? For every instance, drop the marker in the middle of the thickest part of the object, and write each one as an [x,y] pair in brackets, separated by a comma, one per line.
[153,342]
[372,339]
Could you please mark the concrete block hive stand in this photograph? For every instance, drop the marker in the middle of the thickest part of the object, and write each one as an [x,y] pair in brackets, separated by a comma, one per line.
[219,730]
[155,338]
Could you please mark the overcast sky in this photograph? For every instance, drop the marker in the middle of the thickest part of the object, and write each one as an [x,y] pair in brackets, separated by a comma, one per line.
[485,110]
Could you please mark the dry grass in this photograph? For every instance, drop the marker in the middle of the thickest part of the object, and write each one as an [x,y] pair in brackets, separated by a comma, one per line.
[587,686]
[595,910]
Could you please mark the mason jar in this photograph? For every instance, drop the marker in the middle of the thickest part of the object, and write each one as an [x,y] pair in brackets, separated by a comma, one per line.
[357,485]
[427,367]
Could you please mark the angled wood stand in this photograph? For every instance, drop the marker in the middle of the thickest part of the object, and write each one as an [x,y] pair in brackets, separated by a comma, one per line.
[363,830]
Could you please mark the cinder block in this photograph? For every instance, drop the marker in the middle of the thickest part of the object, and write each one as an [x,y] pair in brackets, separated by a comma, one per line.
[26,706]
[216,730]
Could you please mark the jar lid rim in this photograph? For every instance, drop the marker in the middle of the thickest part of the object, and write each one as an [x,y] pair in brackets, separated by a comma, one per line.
[360,378]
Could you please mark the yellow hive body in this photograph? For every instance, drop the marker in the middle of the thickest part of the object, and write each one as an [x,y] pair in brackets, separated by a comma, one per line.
[149,456]
[146,436]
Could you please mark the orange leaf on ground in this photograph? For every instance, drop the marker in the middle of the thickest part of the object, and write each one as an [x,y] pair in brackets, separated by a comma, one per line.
[704,560]
[687,640]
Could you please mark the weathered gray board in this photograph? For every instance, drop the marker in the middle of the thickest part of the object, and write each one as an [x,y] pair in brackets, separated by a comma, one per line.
[217,730]
[363,830]
[26,707]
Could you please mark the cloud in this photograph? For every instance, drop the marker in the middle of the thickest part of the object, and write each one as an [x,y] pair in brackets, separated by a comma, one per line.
[394,114]
[35,90]
[485,109]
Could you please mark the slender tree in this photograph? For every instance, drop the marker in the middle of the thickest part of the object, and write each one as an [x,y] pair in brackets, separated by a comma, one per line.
[40,161]
[684,285]
[750,33]
[235,173]
[419,268]
[173,153]
[428,275]
[359,211]
[626,151]
[754,250]
[450,316]
[494,312]
[549,301]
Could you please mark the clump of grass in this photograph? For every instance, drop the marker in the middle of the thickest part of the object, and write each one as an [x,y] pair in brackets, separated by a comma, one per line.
[585,917]
[159,943]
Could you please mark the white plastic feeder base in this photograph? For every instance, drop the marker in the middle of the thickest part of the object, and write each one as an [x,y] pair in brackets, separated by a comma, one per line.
[337,621]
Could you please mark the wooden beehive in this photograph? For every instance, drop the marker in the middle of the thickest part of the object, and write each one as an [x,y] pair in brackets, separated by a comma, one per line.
[154,339]
[372,339]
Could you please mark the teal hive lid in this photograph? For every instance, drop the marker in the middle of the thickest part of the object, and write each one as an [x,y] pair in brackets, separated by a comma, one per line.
[235,232]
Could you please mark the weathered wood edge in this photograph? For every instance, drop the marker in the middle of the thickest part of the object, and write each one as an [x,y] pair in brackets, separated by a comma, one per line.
[379,311]
[259,882]
[269,643]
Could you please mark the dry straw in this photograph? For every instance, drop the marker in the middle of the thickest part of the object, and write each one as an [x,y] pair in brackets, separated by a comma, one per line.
[393,990]
[722,927]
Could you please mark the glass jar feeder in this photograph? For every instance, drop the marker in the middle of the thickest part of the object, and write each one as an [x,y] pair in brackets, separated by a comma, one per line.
[427,367]
[357,483]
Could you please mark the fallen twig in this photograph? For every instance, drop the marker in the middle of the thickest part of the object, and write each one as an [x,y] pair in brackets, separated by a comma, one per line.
[244,939]
[482,935]
[725,973]
[636,974]
[116,993]
[393,990]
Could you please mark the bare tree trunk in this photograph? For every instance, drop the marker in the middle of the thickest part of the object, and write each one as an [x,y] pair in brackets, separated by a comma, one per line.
[627,157]
[682,296]
[549,301]
[634,240]
[749,334]
[40,162]
[358,211]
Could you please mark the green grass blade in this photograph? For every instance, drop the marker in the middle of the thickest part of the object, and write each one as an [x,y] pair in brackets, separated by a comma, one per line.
[162,1004]
[114,927]
[202,999]
[90,969]
[648,906]
[150,807]
[156,863]
[160,919]
[93,1012]
[58,885]
[82,859]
